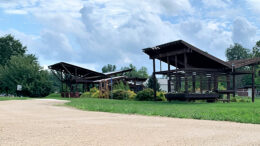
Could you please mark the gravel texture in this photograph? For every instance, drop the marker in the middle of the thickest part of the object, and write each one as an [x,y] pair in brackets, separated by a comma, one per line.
[42,122]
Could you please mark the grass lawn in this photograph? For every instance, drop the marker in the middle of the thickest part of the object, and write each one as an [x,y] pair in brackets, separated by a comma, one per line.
[244,112]
[13,98]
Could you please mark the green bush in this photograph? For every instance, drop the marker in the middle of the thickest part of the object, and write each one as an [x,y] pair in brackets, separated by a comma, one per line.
[146,94]
[119,94]
[93,93]
[233,99]
[131,94]
[242,100]
[121,86]
[160,96]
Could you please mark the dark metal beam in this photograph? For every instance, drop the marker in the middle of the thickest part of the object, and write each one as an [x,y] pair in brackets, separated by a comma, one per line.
[66,69]
[169,77]
[253,83]
[154,80]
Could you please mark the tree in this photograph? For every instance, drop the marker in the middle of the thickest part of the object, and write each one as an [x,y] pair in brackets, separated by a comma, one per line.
[24,70]
[9,47]
[141,73]
[237,52]
[108,68]
[256,50]
[150,83]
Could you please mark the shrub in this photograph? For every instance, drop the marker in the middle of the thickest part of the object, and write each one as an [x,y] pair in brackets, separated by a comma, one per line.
[120,94]
[242,100]
[85,95]
[146,94]
[160,96]
[121,86]
[233,99]
[93,93]
[131,94]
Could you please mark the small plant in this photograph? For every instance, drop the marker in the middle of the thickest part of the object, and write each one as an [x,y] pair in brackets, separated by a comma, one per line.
[233,99]
[121,86]
[160,96]
[242,100]
[93,93]
[120,94]
[146,94]
[131,94]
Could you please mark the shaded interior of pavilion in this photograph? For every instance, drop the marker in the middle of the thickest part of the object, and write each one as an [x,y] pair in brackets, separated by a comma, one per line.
[194,74]
[75,79]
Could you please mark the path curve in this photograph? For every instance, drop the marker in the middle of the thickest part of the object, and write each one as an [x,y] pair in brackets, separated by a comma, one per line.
[41,122]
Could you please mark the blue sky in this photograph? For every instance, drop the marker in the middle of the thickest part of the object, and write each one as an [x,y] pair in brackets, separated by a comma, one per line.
[93,33]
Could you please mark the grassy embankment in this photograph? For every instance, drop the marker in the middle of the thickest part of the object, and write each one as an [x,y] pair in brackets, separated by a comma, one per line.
[13,98]
[244,112]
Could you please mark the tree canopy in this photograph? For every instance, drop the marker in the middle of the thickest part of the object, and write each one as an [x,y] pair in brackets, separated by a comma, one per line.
[151,85]
[236,52]
[25,70]
[9,46]
[108,68]
[141,73]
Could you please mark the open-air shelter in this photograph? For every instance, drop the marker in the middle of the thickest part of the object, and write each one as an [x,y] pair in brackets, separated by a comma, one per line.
[192,66]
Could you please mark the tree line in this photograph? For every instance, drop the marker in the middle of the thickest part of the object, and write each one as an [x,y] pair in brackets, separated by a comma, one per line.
[17,67]
[237,52]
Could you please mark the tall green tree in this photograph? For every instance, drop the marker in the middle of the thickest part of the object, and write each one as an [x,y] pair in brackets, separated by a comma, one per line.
[256,50]
[25,70]
[236,52]
[9,46]
[150,83]
[141,73]
[108,68]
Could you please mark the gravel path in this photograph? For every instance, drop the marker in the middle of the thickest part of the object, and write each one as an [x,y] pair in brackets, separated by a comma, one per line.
[39,122]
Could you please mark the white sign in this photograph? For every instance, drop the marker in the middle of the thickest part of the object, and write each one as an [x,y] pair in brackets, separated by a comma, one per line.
[19,87]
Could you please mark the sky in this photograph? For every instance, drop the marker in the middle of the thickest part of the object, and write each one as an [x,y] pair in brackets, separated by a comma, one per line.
[93,33]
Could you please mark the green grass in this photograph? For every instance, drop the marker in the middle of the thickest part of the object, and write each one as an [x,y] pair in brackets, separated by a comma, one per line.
[244,112]
[13,98]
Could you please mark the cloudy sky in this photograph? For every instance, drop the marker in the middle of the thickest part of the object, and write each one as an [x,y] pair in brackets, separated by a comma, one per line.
[93,33]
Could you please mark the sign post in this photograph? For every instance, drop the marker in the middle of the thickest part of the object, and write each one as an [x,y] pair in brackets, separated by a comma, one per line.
[18,89]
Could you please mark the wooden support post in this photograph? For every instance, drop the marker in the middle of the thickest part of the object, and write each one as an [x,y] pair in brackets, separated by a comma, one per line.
[193,82]
[169,76]
[228,87]
[161,64]
[253,83]
[154,79]
[234,85]
[176,84]
[201,90]
[61,82]
[209,83]
[176,77]
[76,88]
[215,82]
[186,83]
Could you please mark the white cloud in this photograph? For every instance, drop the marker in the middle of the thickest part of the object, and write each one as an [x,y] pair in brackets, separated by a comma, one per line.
[96,32]
[243,32]
[254,5]
[216,3]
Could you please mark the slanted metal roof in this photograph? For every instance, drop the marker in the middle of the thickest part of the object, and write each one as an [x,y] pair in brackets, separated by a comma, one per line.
[83,73]
[244,62]
[196,57]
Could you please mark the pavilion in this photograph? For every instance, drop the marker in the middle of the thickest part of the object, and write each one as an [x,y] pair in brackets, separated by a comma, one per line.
[194,67]
[76,77]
